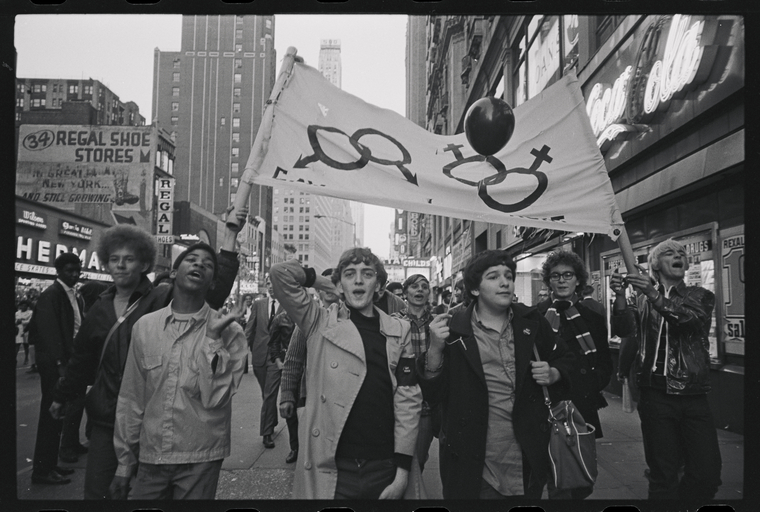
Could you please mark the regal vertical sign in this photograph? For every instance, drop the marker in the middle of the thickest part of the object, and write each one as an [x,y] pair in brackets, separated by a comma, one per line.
[165,211]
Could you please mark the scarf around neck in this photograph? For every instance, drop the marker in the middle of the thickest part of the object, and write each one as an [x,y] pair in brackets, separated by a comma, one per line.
[578,327]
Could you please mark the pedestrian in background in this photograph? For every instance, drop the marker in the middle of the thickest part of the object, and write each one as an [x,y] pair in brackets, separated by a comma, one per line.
[23,316]
[417,291]
[584,331]
[55,321]
[671,323]
[257,334]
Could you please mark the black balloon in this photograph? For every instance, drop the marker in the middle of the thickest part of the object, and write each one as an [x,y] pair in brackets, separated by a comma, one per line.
[489,124]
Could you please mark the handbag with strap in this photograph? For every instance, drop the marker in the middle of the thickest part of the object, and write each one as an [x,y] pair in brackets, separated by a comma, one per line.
[572,444]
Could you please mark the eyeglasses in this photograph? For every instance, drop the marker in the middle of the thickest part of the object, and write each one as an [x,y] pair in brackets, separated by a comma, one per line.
[367,273]
[554,276]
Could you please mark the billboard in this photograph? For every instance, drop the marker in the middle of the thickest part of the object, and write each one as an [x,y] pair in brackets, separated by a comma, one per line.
[67,165]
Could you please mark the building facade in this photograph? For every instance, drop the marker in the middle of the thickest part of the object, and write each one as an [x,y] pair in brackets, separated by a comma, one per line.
[210,95]
[665,99]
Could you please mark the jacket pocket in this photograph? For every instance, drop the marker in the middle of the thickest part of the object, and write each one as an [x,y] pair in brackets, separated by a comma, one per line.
[152,362]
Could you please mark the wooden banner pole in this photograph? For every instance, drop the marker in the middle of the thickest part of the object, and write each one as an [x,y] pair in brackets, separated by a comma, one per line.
[260,143]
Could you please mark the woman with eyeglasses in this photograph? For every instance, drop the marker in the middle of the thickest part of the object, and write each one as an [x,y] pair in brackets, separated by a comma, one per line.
[585,333]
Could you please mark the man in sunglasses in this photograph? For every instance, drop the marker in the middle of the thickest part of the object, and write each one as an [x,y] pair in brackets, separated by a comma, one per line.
[363,411]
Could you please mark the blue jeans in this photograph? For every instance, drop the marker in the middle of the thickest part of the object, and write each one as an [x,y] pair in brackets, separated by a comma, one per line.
[675,427]
[192,481]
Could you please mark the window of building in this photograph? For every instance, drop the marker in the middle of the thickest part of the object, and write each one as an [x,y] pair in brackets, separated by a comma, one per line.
[300,236]
[234,182]
[268,23]
[175,106]
[175,91]
[238,48]
[173,136]
[238,63]
[305,258]
[307,218]
[88,89]
[238,19]
[306,236]
[223,121]
[306,227]
[236,108]
[275,218]
[300,210]
[20,102]
[36,88]
[73,89]
[236,122]
[232,198]
[175,77]
[236,92]
[175,120]
[176,63]
[235,152]
[18,116]
[307,209]
[35,102]
[239,33]
[21,88]
[238,78]
[235,137]
[235,167]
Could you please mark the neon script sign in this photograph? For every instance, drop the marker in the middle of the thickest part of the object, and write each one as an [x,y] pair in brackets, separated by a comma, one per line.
[648,85]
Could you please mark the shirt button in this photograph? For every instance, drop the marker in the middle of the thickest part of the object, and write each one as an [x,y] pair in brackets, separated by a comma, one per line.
[307,465]
[583,371]
[322,397]
[315,432]
[334,364]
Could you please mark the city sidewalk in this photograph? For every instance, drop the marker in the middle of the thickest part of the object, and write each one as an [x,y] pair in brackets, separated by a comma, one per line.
[254,472]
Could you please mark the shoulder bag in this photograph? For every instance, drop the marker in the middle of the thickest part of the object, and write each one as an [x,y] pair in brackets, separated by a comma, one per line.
[572,444]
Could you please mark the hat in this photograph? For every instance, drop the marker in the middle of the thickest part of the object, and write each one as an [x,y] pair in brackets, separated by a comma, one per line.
[200,245]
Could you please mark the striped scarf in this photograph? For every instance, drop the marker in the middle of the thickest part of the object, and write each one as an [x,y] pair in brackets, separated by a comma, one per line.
[575,323]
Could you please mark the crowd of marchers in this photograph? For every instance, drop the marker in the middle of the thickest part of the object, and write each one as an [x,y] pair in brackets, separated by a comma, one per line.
[368,373]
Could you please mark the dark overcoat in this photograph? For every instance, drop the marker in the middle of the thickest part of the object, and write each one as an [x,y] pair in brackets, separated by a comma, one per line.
[592,371]
[461,390]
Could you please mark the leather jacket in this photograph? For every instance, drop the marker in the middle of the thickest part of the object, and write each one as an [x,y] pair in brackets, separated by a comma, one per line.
[687,314]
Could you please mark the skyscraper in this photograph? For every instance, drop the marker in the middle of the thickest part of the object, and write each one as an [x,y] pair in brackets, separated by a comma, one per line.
[211,95]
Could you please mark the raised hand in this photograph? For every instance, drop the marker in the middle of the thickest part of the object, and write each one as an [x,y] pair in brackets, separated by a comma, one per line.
[219,321]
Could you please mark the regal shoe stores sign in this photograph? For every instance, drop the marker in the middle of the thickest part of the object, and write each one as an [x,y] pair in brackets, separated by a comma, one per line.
[68,165]
[666,60]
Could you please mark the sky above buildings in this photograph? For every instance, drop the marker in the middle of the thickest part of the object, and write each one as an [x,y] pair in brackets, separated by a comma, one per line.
[118,51]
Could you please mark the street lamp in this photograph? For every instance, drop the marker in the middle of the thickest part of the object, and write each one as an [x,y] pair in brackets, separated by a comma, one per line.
[353,224]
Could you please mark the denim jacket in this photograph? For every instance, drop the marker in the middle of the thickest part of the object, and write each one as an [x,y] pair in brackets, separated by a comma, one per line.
[686,315]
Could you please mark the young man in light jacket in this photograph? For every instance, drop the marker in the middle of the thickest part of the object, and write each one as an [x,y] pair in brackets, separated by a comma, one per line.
[175,403]
[359,429]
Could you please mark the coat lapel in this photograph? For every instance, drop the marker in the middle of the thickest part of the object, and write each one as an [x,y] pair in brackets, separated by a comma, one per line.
[525,336]
[336,333]
[462,342]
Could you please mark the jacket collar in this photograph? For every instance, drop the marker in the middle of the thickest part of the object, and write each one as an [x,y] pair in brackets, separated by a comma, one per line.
[524,331]
[144,288]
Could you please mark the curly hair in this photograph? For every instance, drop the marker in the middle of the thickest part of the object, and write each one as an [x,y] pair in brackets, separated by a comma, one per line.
[473,273]
[360,255]
[126,235]
[567,258]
